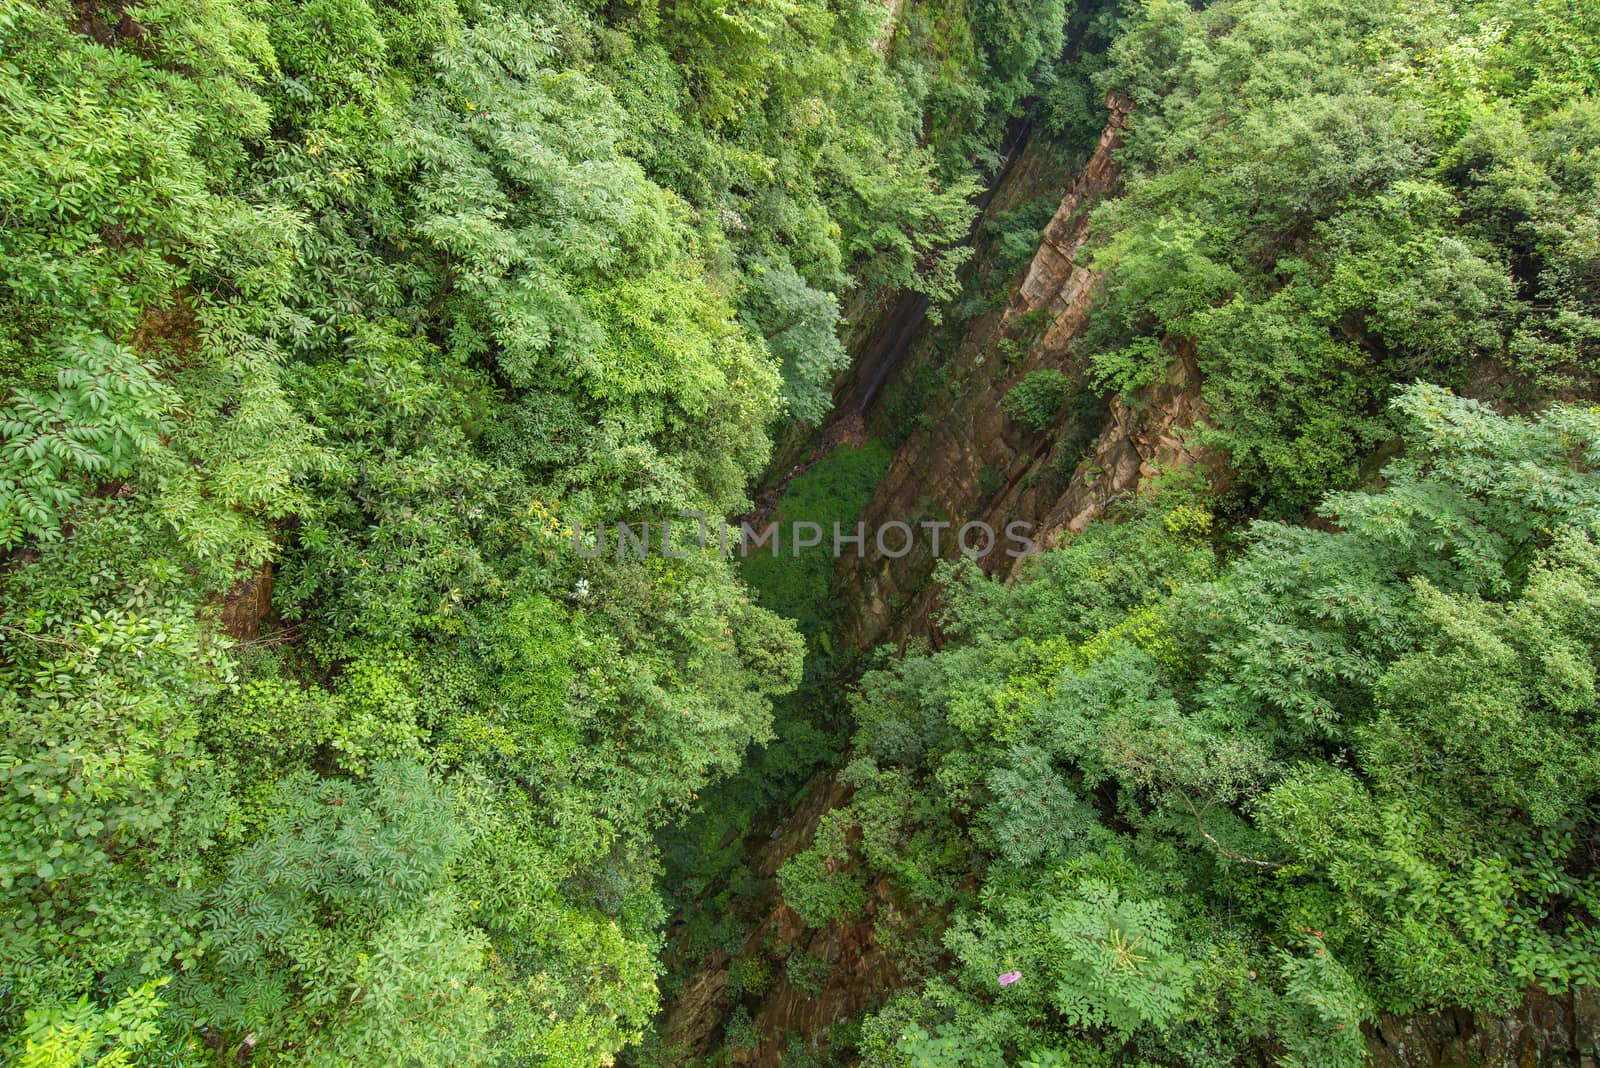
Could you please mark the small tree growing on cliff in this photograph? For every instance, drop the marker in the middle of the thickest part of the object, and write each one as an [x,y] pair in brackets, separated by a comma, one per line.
[1037,398]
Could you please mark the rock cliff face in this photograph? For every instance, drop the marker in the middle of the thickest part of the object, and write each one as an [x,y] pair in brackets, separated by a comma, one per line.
[694,1021]
[860,968]
[971,462]
[1545,1030]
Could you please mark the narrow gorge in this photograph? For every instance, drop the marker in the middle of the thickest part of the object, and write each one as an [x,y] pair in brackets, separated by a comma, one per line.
[800,533]
[938,469]
[964,458]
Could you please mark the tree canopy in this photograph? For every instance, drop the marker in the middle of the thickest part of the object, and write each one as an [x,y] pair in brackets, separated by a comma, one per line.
[325,323]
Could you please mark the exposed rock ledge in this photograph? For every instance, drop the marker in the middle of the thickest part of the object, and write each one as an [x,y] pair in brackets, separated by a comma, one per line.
[973,462]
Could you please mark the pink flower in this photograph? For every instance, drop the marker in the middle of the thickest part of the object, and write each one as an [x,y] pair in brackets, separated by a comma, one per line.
[1008,978]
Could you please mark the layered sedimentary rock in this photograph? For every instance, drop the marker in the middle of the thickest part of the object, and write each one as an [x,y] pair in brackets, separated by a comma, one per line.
[970,461]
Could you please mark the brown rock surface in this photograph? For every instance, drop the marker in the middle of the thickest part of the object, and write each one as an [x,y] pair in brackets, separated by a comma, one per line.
[1544,1031]
[248,603]
[694,1020]
[972,462]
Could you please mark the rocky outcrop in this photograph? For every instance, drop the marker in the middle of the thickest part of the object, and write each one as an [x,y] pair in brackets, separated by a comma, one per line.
[1143,436]
[860,970]
[248,603]
[694,1019]
[1055,280]
[970,461]
[1545,1031]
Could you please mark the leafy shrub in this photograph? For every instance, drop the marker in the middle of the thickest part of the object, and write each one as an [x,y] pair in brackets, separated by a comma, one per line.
[819,883]
[1122,967]
[1036,400]
[106,409]
[740,1032]
[749,975]
[807,971]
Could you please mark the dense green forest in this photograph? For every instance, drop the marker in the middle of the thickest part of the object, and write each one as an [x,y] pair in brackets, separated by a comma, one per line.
[325,323]
[1221,803]
[1220,781]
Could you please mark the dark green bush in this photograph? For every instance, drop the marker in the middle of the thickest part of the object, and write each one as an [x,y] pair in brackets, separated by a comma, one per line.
[1036,401]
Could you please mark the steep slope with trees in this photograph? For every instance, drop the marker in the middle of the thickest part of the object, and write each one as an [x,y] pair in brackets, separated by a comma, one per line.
[1246,847]
[324,742]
